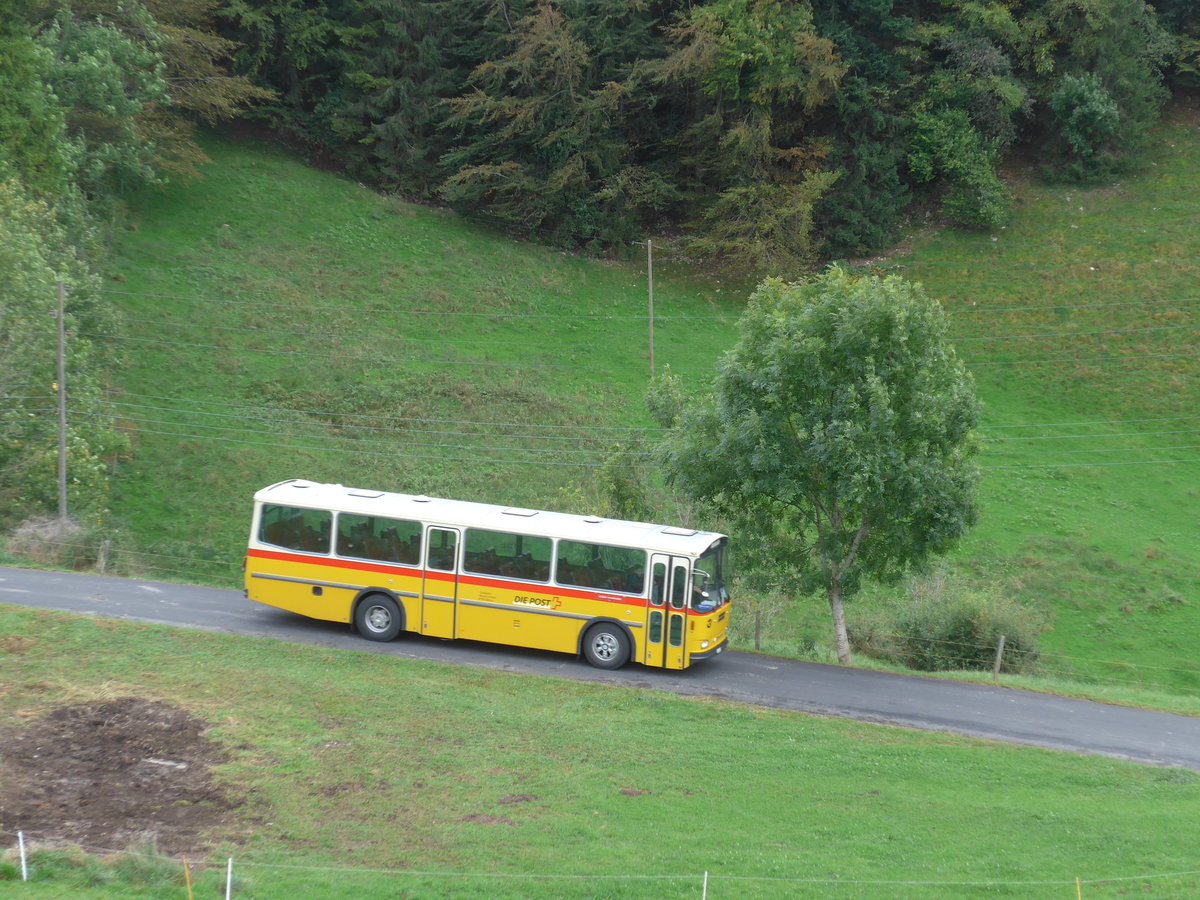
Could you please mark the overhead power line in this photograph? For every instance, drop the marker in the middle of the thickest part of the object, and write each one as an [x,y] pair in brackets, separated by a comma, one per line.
[441,314]
[336,443]
[449,314]
[396,423]
[1089,465]
[491,438]
[1111,450]
[1061,306]
[419,419]
[491,341]
[1091,424]
[425,361]
[1080,359]
[1072,437]
[1052,335]
[276,414]
[395,452]
[373,357]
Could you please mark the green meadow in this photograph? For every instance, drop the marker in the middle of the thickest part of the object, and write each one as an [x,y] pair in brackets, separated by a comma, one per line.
[284,322]
[281,321]
[372,776]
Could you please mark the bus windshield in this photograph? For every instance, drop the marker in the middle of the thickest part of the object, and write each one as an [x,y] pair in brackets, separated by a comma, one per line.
[709,579]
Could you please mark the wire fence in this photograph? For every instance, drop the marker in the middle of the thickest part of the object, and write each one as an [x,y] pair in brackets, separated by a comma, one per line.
[1038,662]
[227,874]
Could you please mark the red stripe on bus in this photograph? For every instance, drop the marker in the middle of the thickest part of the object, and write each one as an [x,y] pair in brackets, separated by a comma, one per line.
[538,587]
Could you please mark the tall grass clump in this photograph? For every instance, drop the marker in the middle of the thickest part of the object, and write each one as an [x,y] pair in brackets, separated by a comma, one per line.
[940,624]
[49,541]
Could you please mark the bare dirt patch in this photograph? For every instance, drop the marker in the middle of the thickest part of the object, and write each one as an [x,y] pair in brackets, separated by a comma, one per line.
[112,775]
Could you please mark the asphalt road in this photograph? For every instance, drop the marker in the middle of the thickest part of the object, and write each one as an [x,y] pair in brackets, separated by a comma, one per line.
[982,711]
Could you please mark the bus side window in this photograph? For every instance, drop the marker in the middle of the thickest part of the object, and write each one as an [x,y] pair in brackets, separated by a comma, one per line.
[373,537]
[276,526]
[441,556]
[562,572]
[410,553]
[679,588]
[313,541]
[506,553]
[274,533]
[603,566]
[295,529]
[657,596]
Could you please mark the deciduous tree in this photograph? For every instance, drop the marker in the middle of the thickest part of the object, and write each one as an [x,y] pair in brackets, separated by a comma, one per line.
[839,436]
[35,254]
[31,119]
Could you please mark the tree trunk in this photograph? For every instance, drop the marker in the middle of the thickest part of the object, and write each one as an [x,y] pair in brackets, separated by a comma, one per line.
[839,623]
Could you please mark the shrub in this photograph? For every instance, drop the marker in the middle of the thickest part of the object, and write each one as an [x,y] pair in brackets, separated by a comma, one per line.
[941,626]
[1087,115]
[946,147]
[964,633]
[64,544]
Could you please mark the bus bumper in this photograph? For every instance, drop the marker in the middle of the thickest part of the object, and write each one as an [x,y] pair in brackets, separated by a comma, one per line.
[710,652]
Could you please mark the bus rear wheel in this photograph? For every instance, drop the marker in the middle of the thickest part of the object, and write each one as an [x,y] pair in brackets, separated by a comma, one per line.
[605,646]
[377,618]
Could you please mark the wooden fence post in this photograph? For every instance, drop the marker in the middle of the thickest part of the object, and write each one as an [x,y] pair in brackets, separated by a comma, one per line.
[999,659]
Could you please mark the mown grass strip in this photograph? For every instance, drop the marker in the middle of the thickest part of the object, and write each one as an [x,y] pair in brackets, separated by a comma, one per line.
[367,775]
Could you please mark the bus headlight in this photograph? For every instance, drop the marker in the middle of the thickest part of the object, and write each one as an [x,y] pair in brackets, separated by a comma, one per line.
[704,645]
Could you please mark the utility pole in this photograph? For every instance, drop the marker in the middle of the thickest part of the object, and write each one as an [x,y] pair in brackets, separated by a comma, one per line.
[650,283]
[62,406]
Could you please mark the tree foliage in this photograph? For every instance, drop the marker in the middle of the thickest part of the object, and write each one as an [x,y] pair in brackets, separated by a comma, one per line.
[135,79]
[548,148]
[396,60]
[99,97]
[106,83]
[36,253]
[756,70]
[768,133]
[1097,58]
[839,437]
[31,120]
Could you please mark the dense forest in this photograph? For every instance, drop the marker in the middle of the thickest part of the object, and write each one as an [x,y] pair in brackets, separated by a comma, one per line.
[768,134]
[764,131]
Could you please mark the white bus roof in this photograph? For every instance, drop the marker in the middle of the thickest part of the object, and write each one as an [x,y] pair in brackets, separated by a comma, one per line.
[434,511]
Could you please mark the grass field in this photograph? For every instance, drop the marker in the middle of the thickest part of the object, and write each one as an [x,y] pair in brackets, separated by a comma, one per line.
[404,778]
[292,323]
[1080,323]
[285,322]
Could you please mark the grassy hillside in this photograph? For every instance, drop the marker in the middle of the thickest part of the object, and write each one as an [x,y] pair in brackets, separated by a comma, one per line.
[404,778]
[1080,323]
[284,322]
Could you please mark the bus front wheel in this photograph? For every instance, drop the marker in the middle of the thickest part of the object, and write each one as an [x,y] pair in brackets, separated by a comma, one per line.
[605,646]
[377,618]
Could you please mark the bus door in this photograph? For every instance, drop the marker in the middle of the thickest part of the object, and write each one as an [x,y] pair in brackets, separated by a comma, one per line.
[666,612]
[439,586]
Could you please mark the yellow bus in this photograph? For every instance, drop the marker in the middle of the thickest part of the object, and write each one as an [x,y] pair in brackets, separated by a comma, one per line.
[610,590]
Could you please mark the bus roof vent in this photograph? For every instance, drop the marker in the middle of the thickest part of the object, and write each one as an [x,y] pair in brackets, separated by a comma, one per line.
[592,520]
[517,511]
[301,483]
[370,495]
[681,532]
[420,499]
